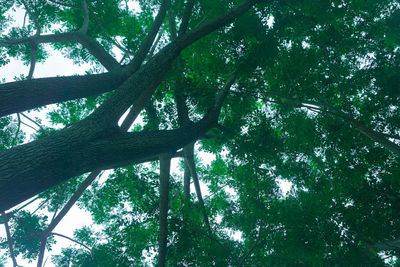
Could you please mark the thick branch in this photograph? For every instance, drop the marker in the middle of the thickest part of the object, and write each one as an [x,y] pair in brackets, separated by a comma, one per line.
[27,94]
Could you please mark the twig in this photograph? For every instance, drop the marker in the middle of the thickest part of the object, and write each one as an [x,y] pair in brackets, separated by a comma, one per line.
[10,245]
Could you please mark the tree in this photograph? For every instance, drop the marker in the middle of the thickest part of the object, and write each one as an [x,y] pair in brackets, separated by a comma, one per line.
[301,91]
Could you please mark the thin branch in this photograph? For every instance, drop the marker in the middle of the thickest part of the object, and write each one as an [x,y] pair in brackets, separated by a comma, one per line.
[27,117]
[30,202]
[10,245]
[75,241]
[85,25]
[165,165]
[251,249]
[58,204]
[33,17]
[17,132]
[41,205]
[34,47]
[189,160]
[42,251]
[146,45]
[186,17]
[28,125]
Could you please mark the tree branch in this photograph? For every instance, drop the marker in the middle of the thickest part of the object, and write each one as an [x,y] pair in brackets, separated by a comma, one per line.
[42,251]
[34,47]
[13,142]
[141,54]
[10,244]
[75,241]
[85,25]
[165,163]
[189,160]
[33,17]
[186,17]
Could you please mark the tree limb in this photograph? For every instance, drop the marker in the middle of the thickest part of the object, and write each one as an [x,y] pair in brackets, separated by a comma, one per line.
[186,17]
[165,163]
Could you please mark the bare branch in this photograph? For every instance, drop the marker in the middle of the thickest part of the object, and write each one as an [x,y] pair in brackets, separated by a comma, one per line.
[85,24]
[27,117]
[34,47]
[147,43]
[17,132]
[10,245]
[42,251]
[75,241]
[189,160]
[165,164]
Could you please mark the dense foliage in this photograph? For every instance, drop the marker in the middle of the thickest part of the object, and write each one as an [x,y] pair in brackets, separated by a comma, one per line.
[299,92]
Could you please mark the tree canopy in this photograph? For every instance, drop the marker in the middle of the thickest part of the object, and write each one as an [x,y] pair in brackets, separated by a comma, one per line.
[275,91]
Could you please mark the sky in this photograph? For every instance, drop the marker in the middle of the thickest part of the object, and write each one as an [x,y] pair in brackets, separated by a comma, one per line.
[57,65]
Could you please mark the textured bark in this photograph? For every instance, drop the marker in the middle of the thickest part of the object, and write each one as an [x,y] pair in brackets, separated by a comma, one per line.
[28,94]
[32,168]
